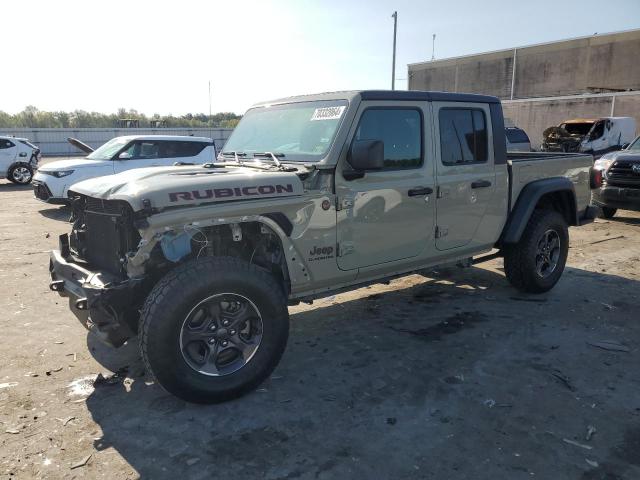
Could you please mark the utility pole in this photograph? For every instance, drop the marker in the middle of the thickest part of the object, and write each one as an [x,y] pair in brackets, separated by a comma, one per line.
[393,66]
[209,100]
[433,48]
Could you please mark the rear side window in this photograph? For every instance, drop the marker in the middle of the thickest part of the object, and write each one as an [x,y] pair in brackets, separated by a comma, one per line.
[515,135]
[401,131]
[181,149]
[463,136]
[4,143]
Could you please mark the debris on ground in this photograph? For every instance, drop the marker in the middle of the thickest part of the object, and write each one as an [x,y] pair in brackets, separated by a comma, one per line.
[573,442]
[53,370]
[192,461]
[392,420]
[566,381]
[65,420]
[610,345]
[81,463]
[8,384]
[590,431]
[489,402]
[592,463]
[606,240]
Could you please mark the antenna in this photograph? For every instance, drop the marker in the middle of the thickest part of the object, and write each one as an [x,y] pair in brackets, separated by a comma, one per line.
[433,48]
[393,65]
[209,100]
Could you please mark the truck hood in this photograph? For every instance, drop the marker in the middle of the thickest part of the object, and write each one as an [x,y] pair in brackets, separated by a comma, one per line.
[166,187]
[73,164]
[622,155]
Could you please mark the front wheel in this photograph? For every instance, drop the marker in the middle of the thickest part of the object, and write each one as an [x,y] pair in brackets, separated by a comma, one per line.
[214,329]
[20,174]
[536,262]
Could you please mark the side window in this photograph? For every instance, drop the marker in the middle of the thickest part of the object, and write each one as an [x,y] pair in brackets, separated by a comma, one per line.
[598,131]
[401,131]
[463,136]
[6,144]
[181,149]
[143,149]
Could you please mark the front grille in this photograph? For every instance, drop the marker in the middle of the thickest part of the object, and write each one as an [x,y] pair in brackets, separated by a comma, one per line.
[41,191]
[110,207]
[103,233]
[621,174]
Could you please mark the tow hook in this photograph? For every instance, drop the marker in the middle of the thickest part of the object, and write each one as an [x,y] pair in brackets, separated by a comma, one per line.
[57,285]
[81,304]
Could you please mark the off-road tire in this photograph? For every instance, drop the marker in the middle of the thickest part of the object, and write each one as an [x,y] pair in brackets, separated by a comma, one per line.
[607,212]
[175,295]
[520,258]
[11,174]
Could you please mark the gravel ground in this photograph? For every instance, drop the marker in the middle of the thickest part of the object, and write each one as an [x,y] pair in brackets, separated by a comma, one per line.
[451,375]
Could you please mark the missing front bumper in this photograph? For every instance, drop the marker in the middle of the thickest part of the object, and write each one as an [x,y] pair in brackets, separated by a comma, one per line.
[103,304]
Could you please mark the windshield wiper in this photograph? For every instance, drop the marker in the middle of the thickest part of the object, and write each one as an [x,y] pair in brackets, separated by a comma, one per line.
[273,156]
[236,156]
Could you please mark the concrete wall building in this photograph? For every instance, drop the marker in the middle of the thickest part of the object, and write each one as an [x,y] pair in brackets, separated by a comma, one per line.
[542,85]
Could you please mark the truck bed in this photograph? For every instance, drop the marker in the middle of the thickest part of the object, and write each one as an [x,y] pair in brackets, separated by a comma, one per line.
[526,167]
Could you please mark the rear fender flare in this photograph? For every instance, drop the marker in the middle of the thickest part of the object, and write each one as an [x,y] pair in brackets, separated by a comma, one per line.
[528,201]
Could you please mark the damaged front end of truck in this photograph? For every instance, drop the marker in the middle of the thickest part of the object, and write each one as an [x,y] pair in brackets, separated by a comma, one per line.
[124,240]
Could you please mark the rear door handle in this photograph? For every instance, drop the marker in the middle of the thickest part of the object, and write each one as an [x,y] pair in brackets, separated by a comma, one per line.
[481,184]
[420,191]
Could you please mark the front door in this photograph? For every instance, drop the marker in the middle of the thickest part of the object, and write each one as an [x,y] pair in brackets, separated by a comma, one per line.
[141,153]
[387,215]
[466,176]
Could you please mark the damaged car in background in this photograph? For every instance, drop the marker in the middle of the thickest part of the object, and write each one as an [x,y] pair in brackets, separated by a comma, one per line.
[591,135]
[200,262]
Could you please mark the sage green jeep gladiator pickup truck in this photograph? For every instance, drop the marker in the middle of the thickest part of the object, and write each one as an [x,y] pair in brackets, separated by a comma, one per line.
[311,195]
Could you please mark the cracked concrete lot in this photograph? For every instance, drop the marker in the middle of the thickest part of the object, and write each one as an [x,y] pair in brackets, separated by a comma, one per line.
[448,375]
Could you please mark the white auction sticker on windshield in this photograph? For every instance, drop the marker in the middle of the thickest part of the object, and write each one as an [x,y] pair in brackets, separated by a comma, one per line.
[327,113]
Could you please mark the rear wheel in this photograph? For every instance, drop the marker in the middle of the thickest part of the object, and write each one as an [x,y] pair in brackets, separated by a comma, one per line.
[607,212]
[536,262]
[214,329]
[20,174]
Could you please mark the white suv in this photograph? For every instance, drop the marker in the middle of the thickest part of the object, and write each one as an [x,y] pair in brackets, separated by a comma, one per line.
[18,159]
[53,180]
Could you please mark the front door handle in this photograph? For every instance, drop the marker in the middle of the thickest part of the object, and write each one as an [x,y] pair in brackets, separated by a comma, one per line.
[420,191]
[481,184]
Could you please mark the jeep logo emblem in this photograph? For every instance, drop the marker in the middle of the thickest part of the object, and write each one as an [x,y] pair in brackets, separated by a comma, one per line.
[635,168]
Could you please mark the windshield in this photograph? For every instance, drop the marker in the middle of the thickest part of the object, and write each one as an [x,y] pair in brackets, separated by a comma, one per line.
[577,128]
[635,145]
[295,131]
[109,149]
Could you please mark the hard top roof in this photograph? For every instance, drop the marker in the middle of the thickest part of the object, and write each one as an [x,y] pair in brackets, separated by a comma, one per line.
[394,95]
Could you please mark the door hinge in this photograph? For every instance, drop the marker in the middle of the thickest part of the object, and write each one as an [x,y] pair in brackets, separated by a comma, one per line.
[441,232]
[345,248]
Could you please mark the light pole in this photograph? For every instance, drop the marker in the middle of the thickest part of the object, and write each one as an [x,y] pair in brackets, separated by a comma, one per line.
[393,65]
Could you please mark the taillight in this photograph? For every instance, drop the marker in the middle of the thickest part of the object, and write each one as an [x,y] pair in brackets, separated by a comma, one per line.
[596,178]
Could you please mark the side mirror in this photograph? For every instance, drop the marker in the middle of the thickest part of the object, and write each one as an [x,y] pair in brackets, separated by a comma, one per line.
[366,155]
[624,146]
[124,156]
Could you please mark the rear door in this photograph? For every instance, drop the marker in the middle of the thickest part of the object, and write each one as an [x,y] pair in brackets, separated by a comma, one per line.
[466,177]
[8,151]
[387,215]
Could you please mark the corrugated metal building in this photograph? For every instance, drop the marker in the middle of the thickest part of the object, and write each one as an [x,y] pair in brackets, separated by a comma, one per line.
[53,141]
[542,85]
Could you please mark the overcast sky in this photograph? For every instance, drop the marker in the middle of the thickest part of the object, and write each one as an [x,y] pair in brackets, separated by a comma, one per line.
[158,57]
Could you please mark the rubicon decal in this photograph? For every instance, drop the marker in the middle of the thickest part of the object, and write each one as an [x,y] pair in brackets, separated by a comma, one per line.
[251,191]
